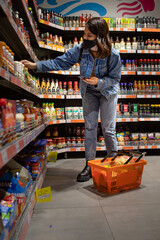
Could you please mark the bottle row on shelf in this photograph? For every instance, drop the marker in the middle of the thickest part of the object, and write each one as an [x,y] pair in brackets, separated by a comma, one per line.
[141,65]
[16,183]
[119,23]
[134,139]
[139,87]
[138,110]
[147,22]
[20,27]
[123,111]
[17,118]
[55,87]
[135,44]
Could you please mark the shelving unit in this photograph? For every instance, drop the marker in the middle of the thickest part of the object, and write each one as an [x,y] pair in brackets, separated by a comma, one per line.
[15,40]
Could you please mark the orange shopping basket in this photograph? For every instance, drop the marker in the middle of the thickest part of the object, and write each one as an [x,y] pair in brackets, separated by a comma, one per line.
[111,178]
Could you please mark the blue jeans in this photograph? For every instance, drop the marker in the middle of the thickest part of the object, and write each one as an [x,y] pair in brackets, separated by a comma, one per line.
[92,101]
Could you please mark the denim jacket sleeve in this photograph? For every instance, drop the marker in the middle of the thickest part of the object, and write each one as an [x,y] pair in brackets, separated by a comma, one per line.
[114,73]
[64,62]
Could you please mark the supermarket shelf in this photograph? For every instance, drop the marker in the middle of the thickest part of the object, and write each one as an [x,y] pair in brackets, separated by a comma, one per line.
[73,28]
[22,7]
[78,73]
[32,3]
[13,32]
[11,149]
[73,97]
[20,229]
[149,147]
[82,149]
[127,96]
[66,72]
[49,96]
[52,47]
[55,122]
[149,119]
[74,120]
[128,72]
[122,29]
[51,24]
[127,51]
[148,30]
[148,96]
[127,147]
[127,120]
[149,51]
[147,73]
[13,79]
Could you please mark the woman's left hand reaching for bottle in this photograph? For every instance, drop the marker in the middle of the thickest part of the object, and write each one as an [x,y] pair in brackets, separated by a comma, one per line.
[91,81]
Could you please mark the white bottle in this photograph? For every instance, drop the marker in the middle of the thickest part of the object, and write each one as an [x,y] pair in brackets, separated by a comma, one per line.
[122,44]
[57,87]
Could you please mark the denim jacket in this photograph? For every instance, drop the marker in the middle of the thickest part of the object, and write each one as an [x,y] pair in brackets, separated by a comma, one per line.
[108,84]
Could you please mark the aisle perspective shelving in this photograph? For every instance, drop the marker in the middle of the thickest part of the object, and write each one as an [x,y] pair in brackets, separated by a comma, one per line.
[8,151]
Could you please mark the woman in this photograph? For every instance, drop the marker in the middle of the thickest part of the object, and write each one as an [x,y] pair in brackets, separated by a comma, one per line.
[100,71]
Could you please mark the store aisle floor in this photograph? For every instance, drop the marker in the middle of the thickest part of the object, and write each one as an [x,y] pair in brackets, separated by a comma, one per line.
[79,212]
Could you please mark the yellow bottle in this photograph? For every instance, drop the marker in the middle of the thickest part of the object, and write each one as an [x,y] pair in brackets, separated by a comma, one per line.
[38,87]
[48,86]
[43,86]
[81,40]
[60,42]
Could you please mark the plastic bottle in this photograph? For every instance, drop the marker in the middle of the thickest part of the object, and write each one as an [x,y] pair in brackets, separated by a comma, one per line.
[60,87]
[75,42]
[53,87]
[147,87]
[43,86]
[122,65]
[139,87]
[148,65]
[142,43]
[65,88]
[135,86]
[150,86]
[76,90]
[48,86]
[70,88]
[125,88]
[143,87]
[83,20]
[134,44]
[117,43]
[53,112]
[57,87]
[128,44]
[122,44]
[80,21]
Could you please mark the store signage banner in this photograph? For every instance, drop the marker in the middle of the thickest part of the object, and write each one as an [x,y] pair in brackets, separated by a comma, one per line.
[114,8]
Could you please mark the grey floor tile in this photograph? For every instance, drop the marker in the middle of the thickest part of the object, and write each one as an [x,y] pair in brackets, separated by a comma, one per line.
[69,224]
[78,211]
[134,222]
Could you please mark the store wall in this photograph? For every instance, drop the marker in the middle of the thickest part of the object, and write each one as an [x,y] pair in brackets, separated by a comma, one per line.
[110,8]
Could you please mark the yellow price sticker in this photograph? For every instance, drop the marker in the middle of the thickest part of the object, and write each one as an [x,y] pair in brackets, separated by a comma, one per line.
[43,194]
[52,157]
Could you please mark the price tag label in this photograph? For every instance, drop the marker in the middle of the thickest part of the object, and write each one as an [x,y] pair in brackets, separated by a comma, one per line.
[43,194]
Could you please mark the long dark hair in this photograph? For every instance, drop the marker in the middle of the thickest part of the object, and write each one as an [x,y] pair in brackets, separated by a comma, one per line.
[99,27]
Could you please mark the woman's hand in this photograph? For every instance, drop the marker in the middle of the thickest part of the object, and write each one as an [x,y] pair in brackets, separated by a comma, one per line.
[91,81]
[29,64]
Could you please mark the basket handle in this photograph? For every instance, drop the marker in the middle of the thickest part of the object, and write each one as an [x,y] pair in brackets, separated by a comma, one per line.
[108,154]
[122,152]
[142,155]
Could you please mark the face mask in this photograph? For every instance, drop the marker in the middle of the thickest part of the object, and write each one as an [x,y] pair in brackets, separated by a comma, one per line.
[89,43]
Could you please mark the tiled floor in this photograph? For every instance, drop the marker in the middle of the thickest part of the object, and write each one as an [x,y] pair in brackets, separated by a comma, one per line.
[79,212]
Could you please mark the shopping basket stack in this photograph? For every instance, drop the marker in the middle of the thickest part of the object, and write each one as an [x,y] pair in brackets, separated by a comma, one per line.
[111,178]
